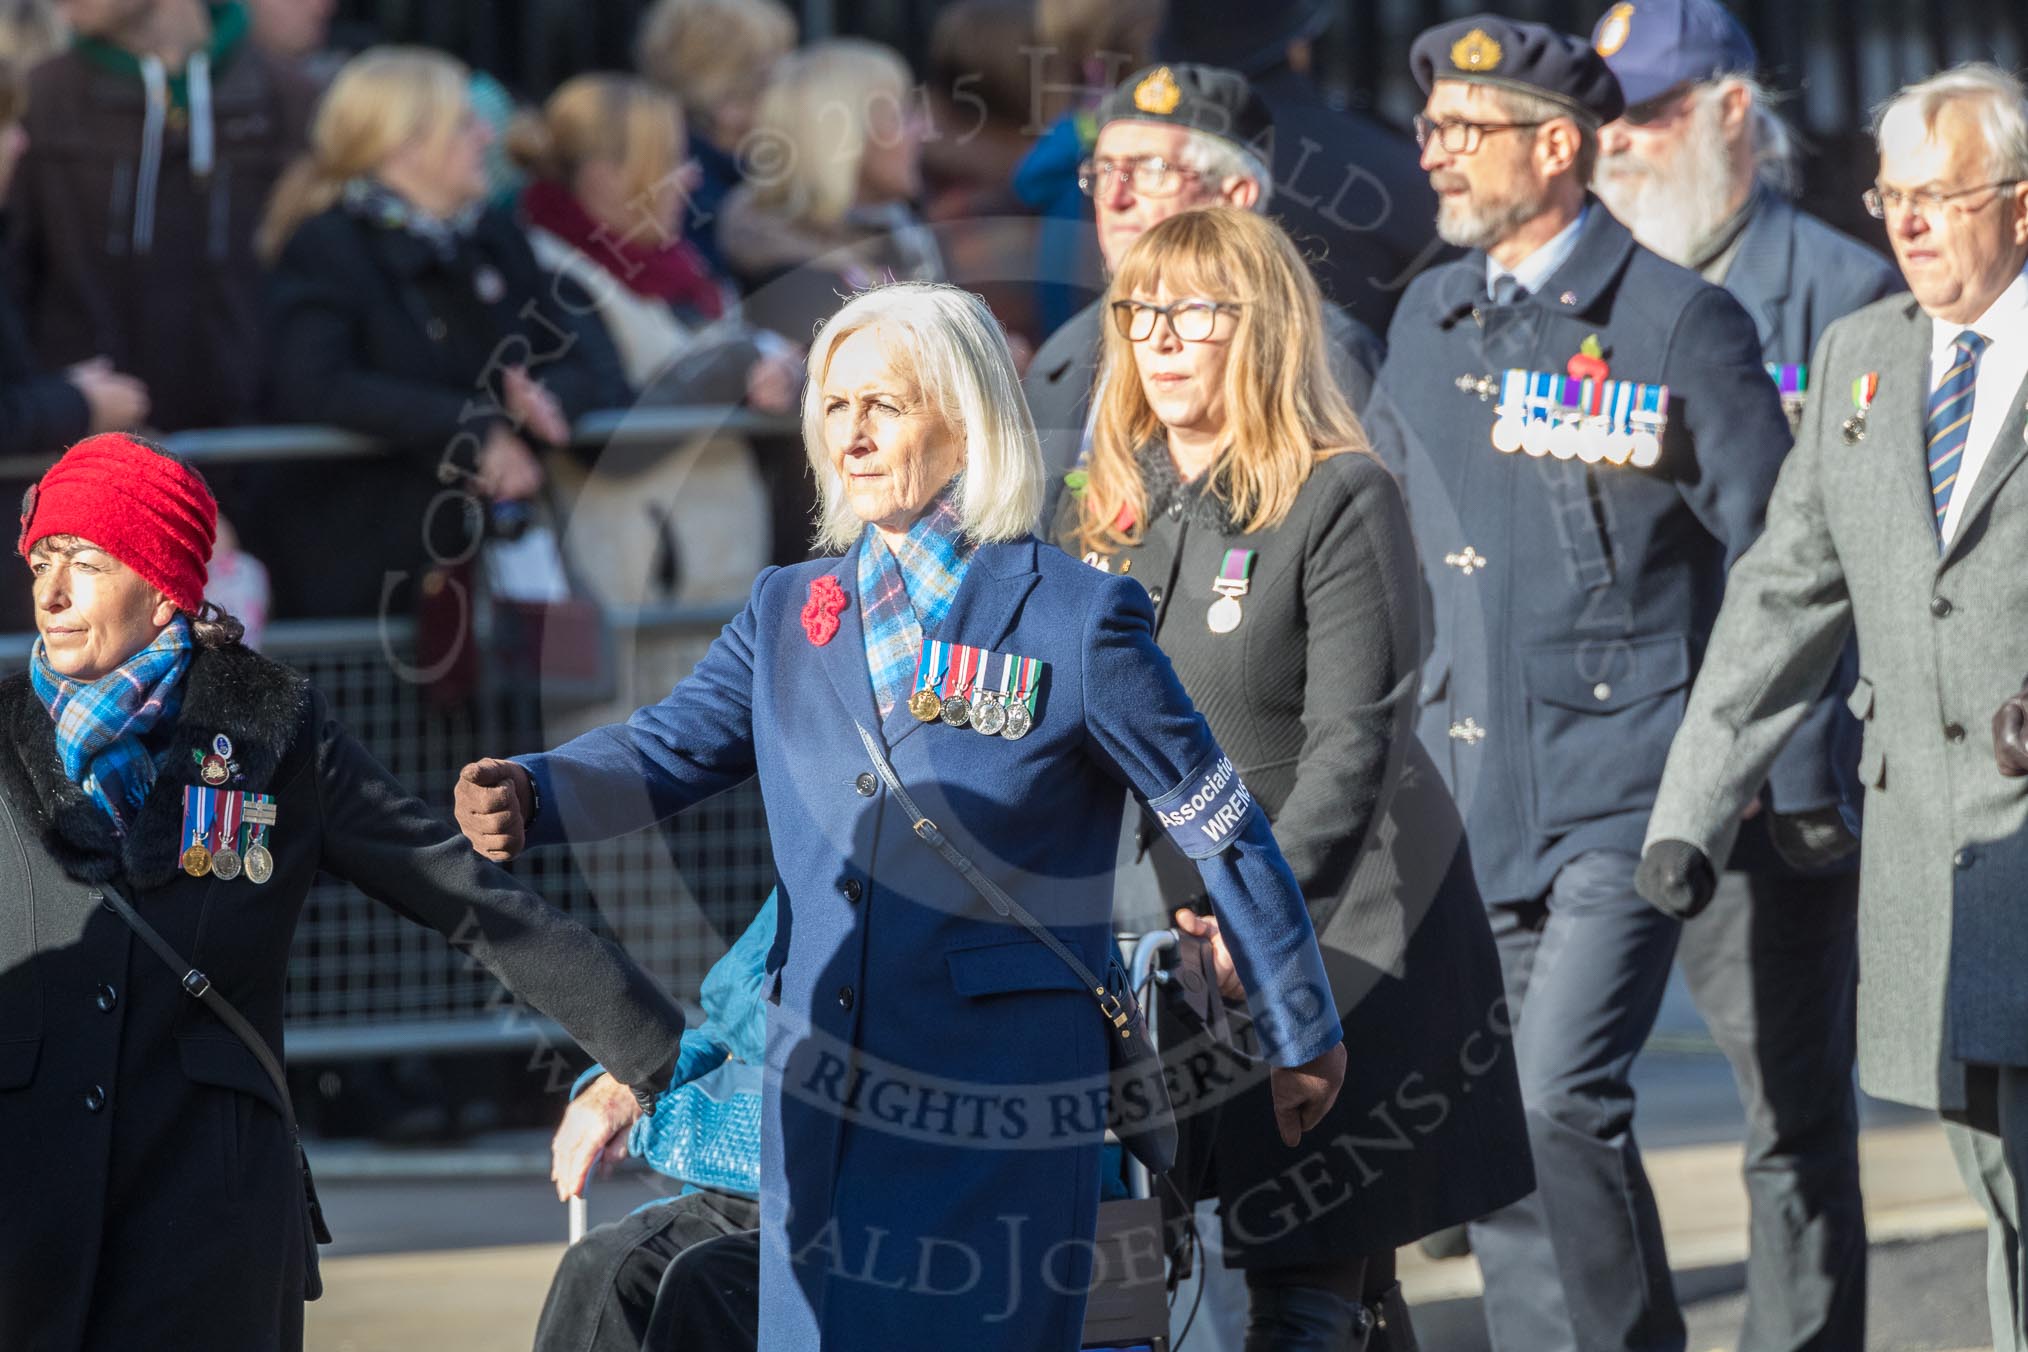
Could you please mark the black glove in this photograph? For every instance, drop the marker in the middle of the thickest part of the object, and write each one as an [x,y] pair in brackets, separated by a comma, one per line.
[1675,877]
[1813,840]
[2010,735]
[645,1097]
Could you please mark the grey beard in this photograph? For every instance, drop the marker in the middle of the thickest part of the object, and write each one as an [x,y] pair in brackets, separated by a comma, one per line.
[1487,226]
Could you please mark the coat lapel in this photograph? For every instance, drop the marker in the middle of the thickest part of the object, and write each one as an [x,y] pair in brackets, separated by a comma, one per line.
[982,613]
[844,657]
[2004,458]
[1760,273]
[1898,421]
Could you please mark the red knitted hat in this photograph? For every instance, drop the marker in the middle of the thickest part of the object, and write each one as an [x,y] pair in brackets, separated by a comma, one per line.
[144,507]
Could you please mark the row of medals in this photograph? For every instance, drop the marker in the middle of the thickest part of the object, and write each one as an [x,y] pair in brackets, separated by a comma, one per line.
[988,712]
[226,863]
[199,860]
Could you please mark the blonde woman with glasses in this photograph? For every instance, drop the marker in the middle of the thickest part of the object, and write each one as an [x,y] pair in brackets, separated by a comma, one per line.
[1231,478]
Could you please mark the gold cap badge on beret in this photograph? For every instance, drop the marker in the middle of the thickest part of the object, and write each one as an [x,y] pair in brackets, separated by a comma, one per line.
[1613,30]
[1476,51]
[1158,93]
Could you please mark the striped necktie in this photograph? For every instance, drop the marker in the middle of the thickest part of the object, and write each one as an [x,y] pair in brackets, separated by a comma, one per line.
[1950,421]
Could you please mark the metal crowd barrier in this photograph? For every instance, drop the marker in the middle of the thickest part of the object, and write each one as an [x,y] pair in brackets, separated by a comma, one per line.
[362,980]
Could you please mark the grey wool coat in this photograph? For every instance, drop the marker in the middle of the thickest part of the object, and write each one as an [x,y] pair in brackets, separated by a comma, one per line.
[1850,546]
[1313,697]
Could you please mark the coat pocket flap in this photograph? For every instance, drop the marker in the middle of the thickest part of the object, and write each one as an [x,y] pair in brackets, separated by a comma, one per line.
[1860,701]
[1605,678]
[17,1061]
[227,1063]
[995,969]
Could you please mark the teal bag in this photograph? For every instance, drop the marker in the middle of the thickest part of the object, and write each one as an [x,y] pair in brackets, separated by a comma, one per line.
[707,1132]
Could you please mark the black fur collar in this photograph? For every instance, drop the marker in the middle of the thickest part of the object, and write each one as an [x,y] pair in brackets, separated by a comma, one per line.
[255,702]
[1169,496]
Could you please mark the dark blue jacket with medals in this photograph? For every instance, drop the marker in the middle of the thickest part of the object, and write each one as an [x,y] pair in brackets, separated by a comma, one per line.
[1571,601]
[930,1139]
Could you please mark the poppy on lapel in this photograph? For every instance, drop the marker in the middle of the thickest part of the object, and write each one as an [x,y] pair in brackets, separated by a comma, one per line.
[821,611]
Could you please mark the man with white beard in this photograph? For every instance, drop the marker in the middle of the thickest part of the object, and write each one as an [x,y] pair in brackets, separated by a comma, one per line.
[1698,167]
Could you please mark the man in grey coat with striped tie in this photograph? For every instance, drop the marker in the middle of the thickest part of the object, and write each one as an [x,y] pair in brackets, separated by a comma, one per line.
[1902,514]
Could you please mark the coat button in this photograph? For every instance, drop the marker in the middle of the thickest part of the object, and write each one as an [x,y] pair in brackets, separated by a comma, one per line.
[95,1099]
[1954,732]
[1940,606]
[437,329]
[851,888]
[865,783]
[1155,597]
[1965,858]
[107,999]
[844,997]
[1601,692]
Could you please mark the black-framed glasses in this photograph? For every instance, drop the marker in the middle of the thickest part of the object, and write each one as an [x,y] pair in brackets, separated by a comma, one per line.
[1459,137]
[1151,175]
[1883,201]
[1192,321]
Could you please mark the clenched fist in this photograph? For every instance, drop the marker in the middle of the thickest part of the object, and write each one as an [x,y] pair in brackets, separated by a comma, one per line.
[1303,1094]
[493,802]
[2010,735]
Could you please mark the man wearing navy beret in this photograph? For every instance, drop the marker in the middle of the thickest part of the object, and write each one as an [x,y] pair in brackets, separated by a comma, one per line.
[1699,167]
[1588,439]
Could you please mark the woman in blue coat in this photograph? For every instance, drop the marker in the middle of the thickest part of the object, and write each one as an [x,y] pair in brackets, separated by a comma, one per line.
[935,1077]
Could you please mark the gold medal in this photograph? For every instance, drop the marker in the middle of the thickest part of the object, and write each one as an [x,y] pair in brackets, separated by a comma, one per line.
[197,861]
[925,705]
[260,865]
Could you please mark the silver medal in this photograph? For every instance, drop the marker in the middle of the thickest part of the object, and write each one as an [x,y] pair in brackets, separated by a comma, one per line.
[1224,615]
[1019,722]
[989,714]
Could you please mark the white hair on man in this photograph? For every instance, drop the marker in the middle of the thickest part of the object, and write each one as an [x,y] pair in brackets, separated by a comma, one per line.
[949,344]
[1678,199]
[1218,162]
[1999,107]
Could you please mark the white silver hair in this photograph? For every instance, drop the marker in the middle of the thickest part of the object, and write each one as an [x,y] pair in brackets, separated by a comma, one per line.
[950,343]
[1219,161]
[1777,156]
[1999,105]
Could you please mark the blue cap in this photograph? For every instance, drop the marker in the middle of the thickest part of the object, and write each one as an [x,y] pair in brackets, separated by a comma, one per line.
[1655,45]
[1487,49]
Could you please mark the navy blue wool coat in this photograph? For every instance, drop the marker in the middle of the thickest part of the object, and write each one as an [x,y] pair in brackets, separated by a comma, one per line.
[1572,602]
[935,1077]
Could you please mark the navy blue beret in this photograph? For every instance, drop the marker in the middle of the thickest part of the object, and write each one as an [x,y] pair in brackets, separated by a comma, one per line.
[1655,45]
[1528,57]
[1209,99]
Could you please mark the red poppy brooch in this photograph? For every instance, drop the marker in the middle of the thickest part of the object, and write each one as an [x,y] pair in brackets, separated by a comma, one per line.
[821,611]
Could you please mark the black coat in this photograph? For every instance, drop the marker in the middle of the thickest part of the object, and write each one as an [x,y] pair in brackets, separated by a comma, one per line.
[1312,696]
[154,1199]
[371,331]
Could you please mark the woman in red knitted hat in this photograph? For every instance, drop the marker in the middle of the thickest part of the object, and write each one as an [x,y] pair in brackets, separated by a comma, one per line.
[155,772]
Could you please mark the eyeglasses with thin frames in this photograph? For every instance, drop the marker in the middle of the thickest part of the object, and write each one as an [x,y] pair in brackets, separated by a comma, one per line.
[1459,137]
[1151,175]
[1192,321]
[1881,202]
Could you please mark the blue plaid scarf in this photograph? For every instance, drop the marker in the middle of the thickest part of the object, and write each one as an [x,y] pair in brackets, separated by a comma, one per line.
[100,724]
[900,597]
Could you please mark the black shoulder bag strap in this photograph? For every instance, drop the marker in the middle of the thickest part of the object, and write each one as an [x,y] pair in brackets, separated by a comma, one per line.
[198,987]
[1139,1089]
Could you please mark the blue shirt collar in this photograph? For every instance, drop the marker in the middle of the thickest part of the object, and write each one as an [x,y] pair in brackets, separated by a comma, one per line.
[1537,268]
